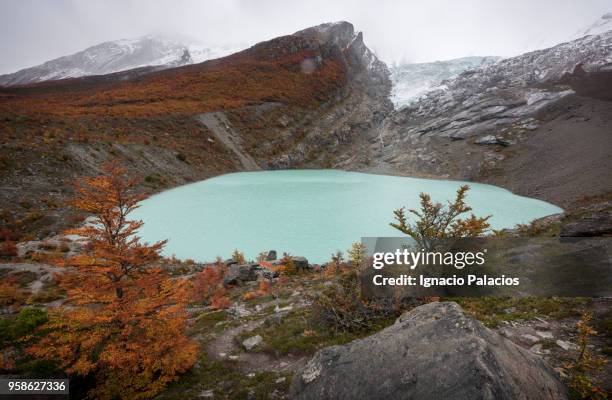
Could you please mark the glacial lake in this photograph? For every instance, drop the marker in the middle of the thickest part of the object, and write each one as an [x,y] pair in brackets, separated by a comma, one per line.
[309,213]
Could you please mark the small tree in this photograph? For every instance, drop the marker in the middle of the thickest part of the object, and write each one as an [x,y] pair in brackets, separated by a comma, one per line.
[238,257]
[436,222]
[289,265]
[581,371]
[357,254]
[334,267]
[125,320]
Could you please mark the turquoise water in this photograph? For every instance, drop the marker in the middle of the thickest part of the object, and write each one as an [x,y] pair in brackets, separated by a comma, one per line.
[310,213]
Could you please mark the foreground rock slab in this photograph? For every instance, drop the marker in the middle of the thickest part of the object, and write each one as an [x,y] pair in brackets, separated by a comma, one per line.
[431,352]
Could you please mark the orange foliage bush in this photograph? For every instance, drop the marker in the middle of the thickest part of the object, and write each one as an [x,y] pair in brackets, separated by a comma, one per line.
[125,323]
[263,289]
[220,300]
[8,248]
[208,286]
[230,83]
[10,292]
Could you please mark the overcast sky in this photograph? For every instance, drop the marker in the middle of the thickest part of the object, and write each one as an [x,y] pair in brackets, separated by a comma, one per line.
[34,31]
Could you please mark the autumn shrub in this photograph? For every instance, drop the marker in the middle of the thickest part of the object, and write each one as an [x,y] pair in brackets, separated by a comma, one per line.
[208,286]
[124,321]
[357,255]
[436,222]
[288,265]
[12,292]
[263,289]
[341,308]
[219,300]
[581,370]
[336,265]
[8,248]
[238,257]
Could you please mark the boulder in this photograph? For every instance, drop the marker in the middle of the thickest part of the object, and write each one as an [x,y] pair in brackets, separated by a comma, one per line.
[252,342]
[431,352]
[238,273]
[300,263]
[271,255]
[492,140]
[265,273]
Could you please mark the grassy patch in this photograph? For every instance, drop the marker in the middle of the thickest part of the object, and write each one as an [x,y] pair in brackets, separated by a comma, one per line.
[491,311]
[208,320]
[297,334]
[227,382]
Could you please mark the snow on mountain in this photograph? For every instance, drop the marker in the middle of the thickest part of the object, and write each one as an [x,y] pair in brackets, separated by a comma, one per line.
[118,55]
[411,81]
[600,26]
[511,90]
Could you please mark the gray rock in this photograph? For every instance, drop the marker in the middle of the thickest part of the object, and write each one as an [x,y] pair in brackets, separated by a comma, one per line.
[566,345]
[265,273]
[252,342]
[544,334]
[588,227]
[271,255]
[431,352]
[238,273]
[492,140]
[538,349]
[301,263]
[530,338]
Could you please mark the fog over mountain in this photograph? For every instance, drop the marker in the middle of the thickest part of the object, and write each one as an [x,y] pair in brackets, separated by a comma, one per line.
[32,32]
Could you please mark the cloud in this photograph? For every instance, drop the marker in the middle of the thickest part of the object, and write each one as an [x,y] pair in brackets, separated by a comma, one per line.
[33,31]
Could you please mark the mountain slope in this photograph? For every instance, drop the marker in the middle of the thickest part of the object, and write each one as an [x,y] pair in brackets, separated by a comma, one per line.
[286,99]
[115,56]
[477,123]
[598,27]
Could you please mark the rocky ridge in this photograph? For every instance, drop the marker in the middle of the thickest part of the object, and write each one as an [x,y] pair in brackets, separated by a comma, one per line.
[460,130]
[152,52]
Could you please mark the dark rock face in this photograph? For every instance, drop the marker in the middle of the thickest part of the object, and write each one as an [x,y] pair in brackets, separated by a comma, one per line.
[431,352]
[300,263]
[457,130]
[241,273]
[589,227]
[344,124]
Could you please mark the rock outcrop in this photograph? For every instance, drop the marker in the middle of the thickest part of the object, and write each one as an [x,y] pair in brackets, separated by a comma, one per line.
[431,352]
[503,99]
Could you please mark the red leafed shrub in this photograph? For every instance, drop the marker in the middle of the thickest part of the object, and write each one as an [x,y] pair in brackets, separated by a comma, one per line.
[10,292]
[220,300]
[8,248]
[263,289]
[208,286]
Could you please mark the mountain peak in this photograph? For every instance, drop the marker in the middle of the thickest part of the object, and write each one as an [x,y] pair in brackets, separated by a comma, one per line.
[603,24]
[151,50]
[340,33]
